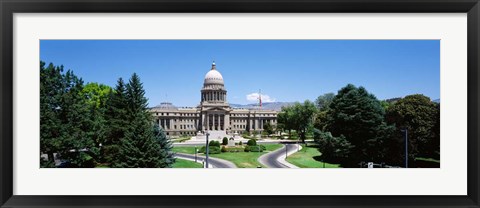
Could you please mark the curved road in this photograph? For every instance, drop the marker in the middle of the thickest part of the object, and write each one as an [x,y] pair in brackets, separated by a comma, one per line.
[215,162]
[271,159]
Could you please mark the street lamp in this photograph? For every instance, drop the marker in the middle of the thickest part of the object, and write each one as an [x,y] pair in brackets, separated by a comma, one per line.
[406,147]
[206,150]
[196,153]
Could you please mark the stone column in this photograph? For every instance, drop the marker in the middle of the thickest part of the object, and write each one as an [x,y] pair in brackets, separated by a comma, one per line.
[203,122]
[219,123]
[226,121]
[213,122]
[207,122]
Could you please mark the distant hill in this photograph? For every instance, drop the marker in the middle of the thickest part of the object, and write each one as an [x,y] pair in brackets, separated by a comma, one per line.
[276,106]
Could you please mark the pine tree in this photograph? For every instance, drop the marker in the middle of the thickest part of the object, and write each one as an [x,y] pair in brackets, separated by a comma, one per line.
[167,156]
[116,121]
[50,96]
[359,117]
[139,148]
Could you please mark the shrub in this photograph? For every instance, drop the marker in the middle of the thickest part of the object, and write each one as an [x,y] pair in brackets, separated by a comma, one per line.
[253,149]
[211,150]
[214,143]
[234,149]
[240,143]
[224,149]
[252,142]
[259,148]
[225,141]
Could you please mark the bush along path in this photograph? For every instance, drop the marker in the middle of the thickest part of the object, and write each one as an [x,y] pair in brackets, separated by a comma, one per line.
[276,159]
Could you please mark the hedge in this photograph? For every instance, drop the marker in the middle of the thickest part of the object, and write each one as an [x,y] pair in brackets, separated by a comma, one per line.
[211,150]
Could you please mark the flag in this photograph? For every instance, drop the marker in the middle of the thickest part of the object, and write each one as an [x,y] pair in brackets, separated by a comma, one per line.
[260,98]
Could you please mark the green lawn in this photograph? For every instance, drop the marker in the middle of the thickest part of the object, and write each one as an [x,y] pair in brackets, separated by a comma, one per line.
[181,163]
[240,159]
[185,149]
[246,159]
[306,159]
[271,147]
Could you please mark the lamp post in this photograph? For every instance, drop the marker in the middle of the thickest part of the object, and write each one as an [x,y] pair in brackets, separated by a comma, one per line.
[206,151]
[286,151]
[406,147]
[196,153]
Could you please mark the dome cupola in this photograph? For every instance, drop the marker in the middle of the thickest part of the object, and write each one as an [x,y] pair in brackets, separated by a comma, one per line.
[213,77]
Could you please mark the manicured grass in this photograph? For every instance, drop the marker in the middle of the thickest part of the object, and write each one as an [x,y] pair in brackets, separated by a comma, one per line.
[181,163]
[306,159]
[271,147]
[240,159]
[185,149]
[246,159]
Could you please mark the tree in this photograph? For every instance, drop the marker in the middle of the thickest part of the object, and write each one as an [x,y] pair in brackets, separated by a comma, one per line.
[167,157]
[139,148]
[421,117]
[323,101]
[51,90]
[286,120]
[116,120]
[297,117]
[303,118]
[358,116]
[65,125]
[333,149]
[268,128]
[97,96]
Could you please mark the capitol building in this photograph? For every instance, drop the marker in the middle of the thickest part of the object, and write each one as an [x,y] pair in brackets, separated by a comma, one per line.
[213,115]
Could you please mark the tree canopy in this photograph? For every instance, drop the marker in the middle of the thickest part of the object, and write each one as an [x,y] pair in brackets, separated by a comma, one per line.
[90,125]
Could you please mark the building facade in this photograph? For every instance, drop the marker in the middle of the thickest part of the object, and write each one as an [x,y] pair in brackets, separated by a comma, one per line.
[213,114]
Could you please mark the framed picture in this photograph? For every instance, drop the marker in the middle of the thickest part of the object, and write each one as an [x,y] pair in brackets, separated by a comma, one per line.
[215,103]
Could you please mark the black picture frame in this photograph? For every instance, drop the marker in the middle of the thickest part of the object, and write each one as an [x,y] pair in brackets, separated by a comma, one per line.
[9,7]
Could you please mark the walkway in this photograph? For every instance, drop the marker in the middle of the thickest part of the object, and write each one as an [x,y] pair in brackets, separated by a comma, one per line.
[213,162]
[276,159]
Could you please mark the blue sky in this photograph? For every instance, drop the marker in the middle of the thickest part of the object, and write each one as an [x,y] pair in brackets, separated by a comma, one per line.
[284,70]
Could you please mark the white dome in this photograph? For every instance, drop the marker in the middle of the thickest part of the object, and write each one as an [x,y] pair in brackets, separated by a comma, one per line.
[213,77]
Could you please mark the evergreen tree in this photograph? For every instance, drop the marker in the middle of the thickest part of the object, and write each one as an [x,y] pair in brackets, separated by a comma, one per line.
[167,156]
[64,117]
[333,149]
[117,122]
[51,89]
[359,117]
[139,148]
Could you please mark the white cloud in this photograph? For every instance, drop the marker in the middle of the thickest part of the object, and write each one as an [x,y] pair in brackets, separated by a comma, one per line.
[253,97]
